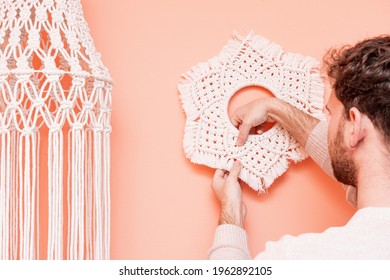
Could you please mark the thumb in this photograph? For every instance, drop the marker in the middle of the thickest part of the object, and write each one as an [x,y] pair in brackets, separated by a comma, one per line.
[235,170]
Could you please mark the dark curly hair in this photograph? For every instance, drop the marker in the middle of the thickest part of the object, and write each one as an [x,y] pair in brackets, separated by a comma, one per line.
[360,77]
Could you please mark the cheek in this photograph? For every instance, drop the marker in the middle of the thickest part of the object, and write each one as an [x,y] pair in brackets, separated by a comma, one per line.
[332,128]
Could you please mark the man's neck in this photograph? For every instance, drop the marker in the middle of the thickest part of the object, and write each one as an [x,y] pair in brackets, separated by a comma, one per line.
[374,180]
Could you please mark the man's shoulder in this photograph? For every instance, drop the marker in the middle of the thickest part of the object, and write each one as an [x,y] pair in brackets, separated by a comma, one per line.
[365,235]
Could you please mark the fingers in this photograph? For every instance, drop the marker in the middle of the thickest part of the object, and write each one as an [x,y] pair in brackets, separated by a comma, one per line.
[219,173]
[236,119]
[235,170]
[243,133]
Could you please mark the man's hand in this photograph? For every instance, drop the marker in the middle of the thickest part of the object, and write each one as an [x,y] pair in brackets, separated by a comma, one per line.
[254,114]
[228,191]
[249,116]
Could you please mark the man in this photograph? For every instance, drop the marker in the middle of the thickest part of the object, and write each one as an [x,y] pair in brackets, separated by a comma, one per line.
[358,137]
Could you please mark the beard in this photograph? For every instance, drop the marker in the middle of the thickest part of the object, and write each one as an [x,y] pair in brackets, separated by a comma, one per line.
[344,168]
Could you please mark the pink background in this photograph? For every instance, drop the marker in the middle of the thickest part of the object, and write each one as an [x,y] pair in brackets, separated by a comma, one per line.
[162,205]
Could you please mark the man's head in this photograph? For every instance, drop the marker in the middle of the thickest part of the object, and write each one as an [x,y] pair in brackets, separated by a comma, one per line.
[360,78]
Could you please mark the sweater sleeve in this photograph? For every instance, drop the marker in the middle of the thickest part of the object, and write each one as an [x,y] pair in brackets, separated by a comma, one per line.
[230,243]
[317,148]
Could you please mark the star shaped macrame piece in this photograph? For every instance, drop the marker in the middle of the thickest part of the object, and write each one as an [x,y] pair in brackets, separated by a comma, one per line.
[205,90]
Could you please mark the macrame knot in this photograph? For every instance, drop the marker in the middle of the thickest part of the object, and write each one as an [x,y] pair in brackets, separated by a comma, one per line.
[66,105]
[55,128]
[77,126]
[11,12]
[22,64]
[53,77]
[27,131]
[25,13]
[49,63]
[40,13]
[97,128]
[48,3]
[105,110]
[99,84]
[57,16]
[33,39]
[78,81]
[87,105]
[3,130]
[74,65]
[13,105]
[39,102]
[14,37]
[107,129]
[55,38]
[72,40]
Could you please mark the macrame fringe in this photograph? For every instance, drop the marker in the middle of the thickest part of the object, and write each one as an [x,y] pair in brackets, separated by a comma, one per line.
[89,199]
[101,207]
[106,193]
[76,193]
[55,194]
[89,189]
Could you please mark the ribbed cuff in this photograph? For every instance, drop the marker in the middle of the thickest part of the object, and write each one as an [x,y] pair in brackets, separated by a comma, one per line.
[231,234]
[230,242]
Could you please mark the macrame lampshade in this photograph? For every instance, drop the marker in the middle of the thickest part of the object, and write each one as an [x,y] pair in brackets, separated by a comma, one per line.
[206,89]
[55,106]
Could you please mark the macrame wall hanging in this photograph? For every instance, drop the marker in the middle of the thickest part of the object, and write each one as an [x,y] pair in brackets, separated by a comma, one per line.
[206,89]
[55,106]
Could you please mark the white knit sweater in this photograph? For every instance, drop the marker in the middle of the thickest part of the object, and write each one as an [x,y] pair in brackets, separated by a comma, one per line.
[365,236]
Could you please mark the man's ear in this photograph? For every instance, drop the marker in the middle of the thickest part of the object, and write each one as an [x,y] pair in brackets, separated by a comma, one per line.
[357,132]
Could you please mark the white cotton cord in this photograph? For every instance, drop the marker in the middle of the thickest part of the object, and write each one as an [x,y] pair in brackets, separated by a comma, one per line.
[34,187]
[89,199]
[98,233]
[81,191]
[21,202]
[68,197]
[55,196]
[77,212]
[37,197]
[60,199]
[106,193]
[8,196]
[14,197]
[72,198]
[3,223]
[27,195]
[27,162]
